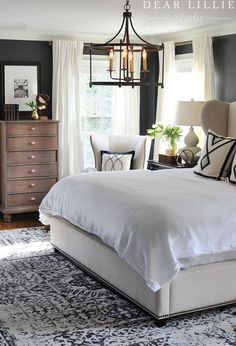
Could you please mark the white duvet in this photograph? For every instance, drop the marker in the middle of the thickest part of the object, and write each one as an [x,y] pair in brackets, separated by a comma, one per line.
[153,219]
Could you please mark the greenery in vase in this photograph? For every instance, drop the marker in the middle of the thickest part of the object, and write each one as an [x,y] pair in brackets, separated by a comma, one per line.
[39,104]
[33,105]
[170,133]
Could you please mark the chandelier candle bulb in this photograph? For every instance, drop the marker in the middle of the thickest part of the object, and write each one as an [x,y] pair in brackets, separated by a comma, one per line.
[144,56]
[131,62]
[124,56]
[111,59]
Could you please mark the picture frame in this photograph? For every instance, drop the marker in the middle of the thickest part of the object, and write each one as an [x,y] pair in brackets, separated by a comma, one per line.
[21,83]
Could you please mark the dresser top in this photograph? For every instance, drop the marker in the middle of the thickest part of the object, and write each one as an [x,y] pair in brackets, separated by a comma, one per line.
[27,121]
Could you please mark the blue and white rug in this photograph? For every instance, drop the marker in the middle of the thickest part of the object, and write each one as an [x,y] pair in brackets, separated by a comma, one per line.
[45,300]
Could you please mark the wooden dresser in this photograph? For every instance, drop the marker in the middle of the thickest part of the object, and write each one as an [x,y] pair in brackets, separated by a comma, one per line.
[28,164]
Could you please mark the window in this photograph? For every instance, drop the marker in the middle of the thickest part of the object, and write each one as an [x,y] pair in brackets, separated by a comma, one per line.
[185,89]
[96,106]
[184,86]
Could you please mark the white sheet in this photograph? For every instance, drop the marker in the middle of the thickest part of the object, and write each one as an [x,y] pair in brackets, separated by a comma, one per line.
[153,219]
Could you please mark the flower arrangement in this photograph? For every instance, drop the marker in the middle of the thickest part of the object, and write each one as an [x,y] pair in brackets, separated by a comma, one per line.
[40,103]
[170,133]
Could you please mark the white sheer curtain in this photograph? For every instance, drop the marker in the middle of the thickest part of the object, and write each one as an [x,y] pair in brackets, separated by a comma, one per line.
[203,68]
[125,105]
[66,105]
[166,102]
[204,75]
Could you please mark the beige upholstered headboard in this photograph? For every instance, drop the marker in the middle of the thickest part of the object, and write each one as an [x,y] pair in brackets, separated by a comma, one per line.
[219,117]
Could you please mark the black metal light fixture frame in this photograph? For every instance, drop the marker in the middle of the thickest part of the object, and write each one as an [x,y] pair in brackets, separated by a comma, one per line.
[126,50]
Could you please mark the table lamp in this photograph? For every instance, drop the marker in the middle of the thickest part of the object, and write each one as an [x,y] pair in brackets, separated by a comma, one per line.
[188,113]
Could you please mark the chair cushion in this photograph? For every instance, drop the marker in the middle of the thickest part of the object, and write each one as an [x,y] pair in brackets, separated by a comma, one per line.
[116,161]
[216,157]
[232,178]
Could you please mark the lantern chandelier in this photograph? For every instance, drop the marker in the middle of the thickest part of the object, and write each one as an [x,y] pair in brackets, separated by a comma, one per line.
[123,73]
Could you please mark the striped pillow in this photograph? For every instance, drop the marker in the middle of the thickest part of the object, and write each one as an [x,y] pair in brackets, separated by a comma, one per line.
[216,157]
[232,178]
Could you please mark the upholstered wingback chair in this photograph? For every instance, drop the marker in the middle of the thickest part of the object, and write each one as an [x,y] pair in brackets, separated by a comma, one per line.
[117,143]
[220,117]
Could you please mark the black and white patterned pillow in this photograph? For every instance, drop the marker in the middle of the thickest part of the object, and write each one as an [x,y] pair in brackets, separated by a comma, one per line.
[216,157]
[114,161]
[232,178]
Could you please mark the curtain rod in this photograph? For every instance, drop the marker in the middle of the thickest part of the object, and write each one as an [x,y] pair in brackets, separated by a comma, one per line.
[183,43]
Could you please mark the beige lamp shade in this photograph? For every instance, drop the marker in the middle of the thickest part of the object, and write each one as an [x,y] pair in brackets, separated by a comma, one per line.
[188,113]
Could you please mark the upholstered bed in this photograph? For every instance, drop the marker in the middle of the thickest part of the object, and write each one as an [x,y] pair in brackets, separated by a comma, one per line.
[194,286]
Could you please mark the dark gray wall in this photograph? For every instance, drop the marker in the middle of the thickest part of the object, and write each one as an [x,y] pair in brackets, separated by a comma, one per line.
[148,97]
[29,51]
[224,49]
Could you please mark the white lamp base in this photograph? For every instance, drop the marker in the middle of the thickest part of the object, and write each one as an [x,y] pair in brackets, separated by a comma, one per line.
[191,140]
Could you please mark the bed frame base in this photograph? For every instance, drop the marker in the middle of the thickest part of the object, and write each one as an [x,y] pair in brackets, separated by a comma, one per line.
[194,289]
[160,322]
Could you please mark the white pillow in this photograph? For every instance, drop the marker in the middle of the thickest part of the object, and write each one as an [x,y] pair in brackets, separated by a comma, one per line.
[112,161]
[216,157]
[232,178]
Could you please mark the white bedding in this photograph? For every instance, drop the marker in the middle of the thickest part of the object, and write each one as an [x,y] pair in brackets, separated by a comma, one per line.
[158,221]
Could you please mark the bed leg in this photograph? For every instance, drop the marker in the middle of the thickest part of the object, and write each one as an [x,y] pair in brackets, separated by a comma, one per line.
[221,308]
[160,323]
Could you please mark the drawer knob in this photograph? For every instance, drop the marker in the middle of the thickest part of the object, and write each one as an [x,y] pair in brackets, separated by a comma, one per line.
[32,128]
[32,157]
[32,143]
[32,199]
[32,185]
[32,171]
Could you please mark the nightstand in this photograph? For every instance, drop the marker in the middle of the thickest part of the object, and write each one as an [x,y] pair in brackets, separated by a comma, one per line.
[155,165]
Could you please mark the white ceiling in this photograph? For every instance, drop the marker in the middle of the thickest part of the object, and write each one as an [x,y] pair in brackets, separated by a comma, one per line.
[104,17]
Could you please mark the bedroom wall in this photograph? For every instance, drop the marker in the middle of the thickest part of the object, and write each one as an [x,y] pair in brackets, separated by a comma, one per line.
[148,96]
[224,48]
[29,51]
[40,51]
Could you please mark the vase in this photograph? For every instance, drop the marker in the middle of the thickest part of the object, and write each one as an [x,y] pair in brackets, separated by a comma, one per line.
[172,149]
[171,152]
[35,115]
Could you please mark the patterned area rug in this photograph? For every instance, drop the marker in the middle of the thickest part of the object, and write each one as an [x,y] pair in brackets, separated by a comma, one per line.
[46,300]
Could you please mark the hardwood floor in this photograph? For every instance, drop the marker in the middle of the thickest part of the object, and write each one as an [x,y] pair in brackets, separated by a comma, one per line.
[20,221]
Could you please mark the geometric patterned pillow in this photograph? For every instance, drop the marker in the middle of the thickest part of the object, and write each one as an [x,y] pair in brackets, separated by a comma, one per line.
[232,178]
[216,157]
[112,161]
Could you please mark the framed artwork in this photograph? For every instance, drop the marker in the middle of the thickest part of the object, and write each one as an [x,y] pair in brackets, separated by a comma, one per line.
[21,83]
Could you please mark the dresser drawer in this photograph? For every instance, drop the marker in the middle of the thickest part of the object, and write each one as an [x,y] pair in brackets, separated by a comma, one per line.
[32,143]
[30,185]
[32,171]
[25,199]
[23,157]
[31,128]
